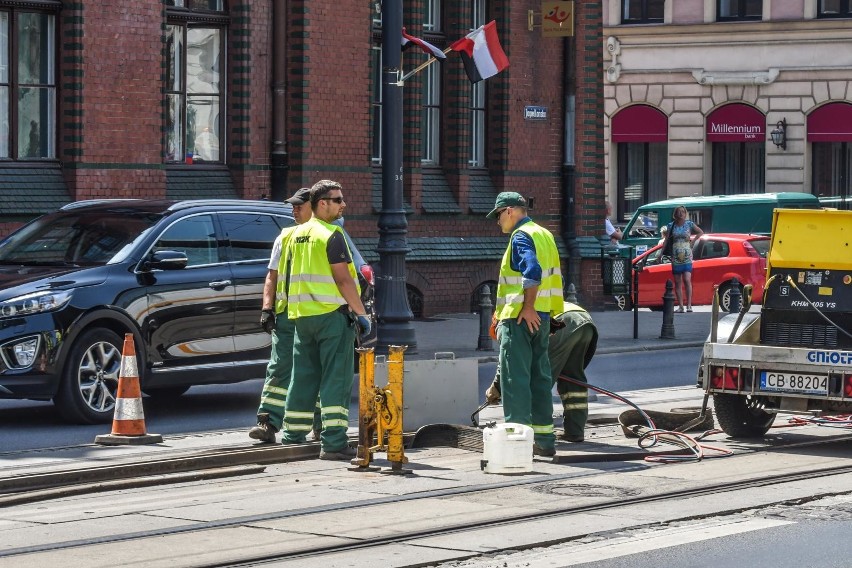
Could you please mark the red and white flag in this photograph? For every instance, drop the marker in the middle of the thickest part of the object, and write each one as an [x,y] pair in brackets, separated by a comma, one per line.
[409,40]
[481,53]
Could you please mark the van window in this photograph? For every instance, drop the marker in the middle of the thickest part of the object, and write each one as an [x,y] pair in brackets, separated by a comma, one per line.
[646,225]
[703,218]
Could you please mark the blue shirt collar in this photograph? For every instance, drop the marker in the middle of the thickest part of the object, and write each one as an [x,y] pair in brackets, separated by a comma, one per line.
[521,222]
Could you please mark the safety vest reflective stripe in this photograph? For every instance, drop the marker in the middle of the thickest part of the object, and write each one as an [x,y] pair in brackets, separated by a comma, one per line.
[295,298]
[297,414]
[312,278]
[510,292]
[519,298]
[333,423]
[295,427]
[280,285]
[276,390]
[336,410]
[272,401]
[574,394]
[519,279]
[313,290]
[542,429]
[575,406]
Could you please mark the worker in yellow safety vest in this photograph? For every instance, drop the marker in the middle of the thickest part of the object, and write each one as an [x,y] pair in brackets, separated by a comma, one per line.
[529,292]
[324,302]
[573,342]
[274,320]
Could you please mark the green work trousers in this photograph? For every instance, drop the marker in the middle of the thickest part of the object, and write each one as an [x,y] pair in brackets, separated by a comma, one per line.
[273,397]
[525,379]
[323,363]
[567,351]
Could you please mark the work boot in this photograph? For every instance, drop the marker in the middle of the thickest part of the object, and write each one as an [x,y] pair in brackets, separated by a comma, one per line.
[543,452]
[343,454]
[264,431]
[572,437]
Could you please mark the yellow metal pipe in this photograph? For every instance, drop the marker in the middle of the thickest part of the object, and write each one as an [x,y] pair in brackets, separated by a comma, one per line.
[394,406]
[366,407]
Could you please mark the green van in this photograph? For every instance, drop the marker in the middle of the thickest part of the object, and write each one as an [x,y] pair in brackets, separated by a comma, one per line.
[745,213]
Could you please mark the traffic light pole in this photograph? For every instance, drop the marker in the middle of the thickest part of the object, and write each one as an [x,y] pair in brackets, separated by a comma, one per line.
[391,294]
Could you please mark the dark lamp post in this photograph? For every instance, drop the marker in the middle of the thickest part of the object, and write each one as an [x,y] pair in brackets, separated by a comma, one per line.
[391,295]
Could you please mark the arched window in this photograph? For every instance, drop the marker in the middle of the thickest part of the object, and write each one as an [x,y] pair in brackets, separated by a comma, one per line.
[830,135]
[737,133]
[641,135]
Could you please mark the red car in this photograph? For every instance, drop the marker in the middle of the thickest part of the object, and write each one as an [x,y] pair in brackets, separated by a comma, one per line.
[716,258]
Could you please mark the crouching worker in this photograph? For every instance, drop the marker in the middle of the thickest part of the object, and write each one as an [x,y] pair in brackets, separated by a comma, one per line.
[573,341]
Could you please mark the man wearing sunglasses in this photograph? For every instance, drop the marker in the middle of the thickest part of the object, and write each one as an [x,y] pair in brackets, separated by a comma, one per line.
[324,301]
[274,320]
[529,292]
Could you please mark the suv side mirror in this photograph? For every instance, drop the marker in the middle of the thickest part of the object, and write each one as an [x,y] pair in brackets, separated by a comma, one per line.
[165,260]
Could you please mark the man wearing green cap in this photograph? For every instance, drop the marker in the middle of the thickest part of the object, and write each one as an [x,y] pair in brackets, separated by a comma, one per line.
[573,342]
[529,292]
[274,320]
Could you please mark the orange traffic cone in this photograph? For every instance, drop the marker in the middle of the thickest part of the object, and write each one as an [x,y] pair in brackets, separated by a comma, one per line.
[128,424]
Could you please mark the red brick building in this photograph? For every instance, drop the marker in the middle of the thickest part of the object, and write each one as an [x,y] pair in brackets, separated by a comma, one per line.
[246,99]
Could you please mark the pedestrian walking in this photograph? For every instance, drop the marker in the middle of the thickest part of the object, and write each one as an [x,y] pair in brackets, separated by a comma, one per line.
[529,291]
[572,344]
[323,300]
[274,320]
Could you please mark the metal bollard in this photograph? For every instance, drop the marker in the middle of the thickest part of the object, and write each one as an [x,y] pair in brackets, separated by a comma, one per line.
[736,297]
[667,330]
[486,312]
[571,294]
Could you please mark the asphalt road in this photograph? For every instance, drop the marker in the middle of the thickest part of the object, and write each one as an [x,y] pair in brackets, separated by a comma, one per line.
[35,424]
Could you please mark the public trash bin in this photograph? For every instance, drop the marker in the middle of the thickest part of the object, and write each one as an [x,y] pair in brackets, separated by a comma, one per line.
[615,270]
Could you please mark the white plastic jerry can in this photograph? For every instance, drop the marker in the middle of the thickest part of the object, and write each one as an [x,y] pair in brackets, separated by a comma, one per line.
[507,448]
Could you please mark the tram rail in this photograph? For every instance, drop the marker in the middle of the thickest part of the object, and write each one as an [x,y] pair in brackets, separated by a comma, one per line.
[441,527]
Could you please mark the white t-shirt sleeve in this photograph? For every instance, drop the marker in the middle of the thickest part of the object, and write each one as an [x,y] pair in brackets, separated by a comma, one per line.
[608,227]
[275,255]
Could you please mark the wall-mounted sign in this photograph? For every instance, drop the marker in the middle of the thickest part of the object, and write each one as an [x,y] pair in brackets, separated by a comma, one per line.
[535,113]
[557,19]
[736,122]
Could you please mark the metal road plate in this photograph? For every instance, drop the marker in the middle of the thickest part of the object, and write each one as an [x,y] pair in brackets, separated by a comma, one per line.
[794,382]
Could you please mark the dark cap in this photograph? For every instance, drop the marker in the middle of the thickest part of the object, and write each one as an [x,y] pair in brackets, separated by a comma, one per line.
[301,197]
[507,199]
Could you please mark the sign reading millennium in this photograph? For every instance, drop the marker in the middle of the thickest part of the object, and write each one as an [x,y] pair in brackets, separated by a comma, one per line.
[747,131]
[535,113]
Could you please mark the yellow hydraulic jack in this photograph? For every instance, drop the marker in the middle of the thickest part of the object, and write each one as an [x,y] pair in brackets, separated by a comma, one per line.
[380,412]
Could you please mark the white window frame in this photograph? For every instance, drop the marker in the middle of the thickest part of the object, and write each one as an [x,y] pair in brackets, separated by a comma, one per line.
[431,117]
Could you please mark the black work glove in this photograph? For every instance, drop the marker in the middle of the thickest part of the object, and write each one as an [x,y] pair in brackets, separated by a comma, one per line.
[267,320]
[555,325]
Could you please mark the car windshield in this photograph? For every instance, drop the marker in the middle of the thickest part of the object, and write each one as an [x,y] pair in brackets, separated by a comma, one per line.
[80,238]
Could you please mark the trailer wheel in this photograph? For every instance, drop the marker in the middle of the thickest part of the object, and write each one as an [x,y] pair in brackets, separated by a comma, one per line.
[742,416]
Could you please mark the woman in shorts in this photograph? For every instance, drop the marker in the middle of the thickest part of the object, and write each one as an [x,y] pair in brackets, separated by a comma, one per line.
[681,230]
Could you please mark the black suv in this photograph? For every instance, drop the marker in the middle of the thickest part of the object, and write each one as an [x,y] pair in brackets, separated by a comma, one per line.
[184,277]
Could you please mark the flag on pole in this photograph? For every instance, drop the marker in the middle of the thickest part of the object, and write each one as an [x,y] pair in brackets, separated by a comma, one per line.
[409,40]
[481,53]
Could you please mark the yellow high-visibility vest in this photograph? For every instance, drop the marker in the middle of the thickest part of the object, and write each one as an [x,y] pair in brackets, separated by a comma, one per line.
[510,291]
[313,290]
[281,284]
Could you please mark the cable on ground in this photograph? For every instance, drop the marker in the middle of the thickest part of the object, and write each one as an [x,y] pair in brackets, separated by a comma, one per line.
[656,435]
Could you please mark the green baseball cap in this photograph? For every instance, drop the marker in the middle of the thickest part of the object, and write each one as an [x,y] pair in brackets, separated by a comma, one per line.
[507,199]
